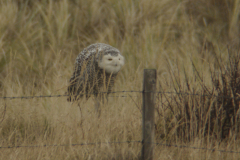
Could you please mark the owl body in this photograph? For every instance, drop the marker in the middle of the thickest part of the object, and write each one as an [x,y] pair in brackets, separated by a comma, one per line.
[96,67]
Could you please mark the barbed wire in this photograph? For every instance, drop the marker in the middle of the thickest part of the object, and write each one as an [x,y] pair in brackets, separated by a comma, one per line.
[191,147]
[42,96]
[131,91]
[64,95]
[65,145]
[118,142]
[158,92]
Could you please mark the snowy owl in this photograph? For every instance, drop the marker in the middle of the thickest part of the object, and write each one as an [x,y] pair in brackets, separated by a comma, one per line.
[96,67]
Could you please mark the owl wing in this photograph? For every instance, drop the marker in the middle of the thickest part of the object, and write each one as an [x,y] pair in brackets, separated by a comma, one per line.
[80,69]
[80,63]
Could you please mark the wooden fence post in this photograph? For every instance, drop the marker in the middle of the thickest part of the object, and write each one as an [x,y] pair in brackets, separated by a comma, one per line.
[149,88]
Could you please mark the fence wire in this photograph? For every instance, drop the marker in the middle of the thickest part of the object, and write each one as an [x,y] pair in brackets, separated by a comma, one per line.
[64,95]
[158,92]
[118,142]
[65,145]
[199,148]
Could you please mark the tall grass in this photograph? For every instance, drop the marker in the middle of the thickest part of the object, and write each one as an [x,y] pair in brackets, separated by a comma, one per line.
[185,40]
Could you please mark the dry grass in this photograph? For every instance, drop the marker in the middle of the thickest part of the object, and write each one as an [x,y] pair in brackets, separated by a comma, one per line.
[39,41]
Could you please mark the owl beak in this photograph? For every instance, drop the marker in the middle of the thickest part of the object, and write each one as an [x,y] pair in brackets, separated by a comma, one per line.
[115,64]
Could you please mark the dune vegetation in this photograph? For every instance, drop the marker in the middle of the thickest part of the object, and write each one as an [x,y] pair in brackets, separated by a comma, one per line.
[193,45]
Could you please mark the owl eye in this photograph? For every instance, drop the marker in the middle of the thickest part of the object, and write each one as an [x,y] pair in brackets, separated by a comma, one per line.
[109,59]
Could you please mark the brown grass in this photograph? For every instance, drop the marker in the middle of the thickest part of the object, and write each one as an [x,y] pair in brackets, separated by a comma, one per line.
[185,40]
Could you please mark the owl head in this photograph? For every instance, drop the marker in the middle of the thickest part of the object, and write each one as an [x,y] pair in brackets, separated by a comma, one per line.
[111,62]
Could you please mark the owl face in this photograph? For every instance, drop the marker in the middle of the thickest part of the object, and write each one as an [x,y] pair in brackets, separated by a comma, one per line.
[111,64]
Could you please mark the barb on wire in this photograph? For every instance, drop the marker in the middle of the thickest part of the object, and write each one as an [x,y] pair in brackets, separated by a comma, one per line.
[65,145]
[159,92]
[200,148]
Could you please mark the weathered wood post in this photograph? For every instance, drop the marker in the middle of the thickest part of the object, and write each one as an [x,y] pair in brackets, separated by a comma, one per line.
[149,89]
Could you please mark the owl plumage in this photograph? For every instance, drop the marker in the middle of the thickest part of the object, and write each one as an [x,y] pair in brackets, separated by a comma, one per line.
[96,67]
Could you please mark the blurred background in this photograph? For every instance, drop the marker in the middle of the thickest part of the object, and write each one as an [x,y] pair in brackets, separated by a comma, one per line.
[194,45]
